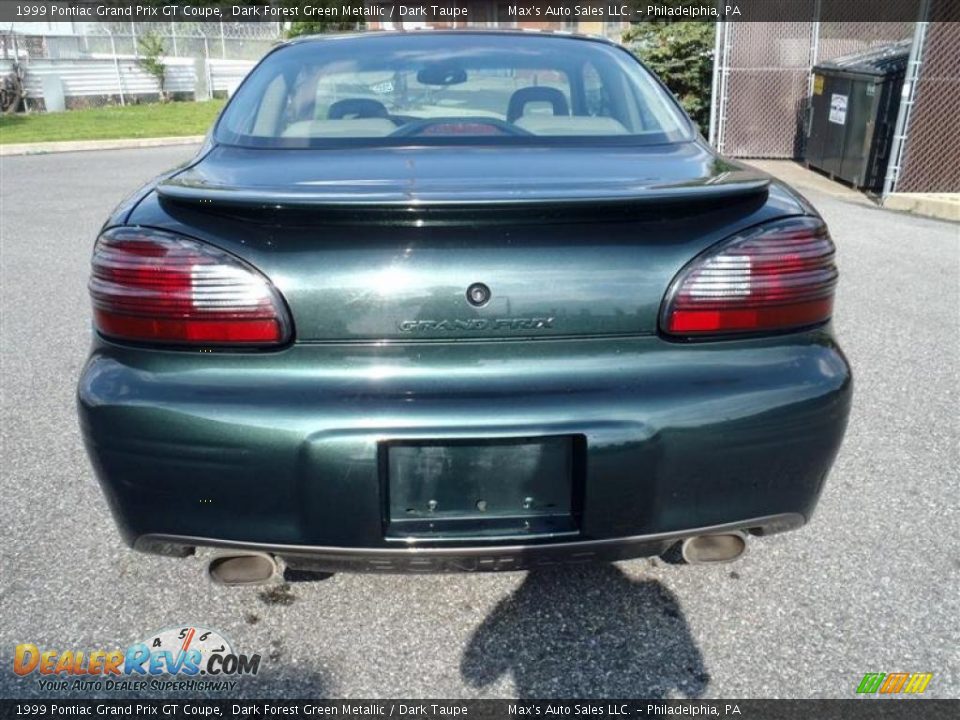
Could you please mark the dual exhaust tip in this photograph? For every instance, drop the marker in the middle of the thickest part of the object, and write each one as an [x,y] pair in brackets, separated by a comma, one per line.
[260,568]
[708,549]
[246,568]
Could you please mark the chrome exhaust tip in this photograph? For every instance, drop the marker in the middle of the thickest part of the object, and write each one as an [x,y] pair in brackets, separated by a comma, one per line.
[243,568]
[721,548]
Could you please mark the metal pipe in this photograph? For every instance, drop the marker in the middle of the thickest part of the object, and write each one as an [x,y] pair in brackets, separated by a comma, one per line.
[116,66]
[714,83]
[208,75]
[814,52]
[243,568]
[907,95]
[724,75]
[721,548]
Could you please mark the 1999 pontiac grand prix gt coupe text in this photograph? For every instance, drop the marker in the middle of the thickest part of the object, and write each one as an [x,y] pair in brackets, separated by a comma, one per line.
[460,301]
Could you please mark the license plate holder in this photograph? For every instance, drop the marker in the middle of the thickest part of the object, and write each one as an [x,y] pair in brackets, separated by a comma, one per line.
[451,489]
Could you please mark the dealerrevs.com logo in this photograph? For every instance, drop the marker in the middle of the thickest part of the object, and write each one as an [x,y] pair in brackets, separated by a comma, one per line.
[185,658]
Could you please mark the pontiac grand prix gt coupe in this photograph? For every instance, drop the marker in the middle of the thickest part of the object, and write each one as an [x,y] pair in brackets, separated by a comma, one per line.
[459,301]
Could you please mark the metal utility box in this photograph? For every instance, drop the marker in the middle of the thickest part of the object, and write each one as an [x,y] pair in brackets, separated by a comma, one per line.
[853,112]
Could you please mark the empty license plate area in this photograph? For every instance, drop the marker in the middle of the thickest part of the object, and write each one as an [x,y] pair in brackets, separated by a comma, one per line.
[482,488]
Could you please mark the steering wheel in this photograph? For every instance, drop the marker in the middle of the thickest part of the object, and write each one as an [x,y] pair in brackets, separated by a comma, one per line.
[422,127]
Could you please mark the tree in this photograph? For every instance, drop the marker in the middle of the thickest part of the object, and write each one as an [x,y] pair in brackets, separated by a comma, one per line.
[316,27]
[151,52]
[681,54]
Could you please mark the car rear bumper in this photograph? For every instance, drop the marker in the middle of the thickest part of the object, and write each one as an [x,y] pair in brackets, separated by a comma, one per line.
[281,451]
[470,558]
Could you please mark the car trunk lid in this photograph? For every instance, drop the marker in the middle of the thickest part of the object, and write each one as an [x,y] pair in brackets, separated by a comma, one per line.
[383,244]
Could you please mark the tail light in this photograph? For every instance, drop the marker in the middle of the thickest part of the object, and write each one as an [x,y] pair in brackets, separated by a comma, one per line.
[777,276]
[154,286]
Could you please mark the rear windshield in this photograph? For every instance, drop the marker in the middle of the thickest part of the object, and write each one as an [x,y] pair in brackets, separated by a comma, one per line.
[442,88]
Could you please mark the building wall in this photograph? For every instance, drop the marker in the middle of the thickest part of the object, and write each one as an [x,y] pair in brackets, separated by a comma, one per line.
[94,82]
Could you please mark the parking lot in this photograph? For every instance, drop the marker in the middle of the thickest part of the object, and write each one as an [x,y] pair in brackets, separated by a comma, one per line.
[872,584]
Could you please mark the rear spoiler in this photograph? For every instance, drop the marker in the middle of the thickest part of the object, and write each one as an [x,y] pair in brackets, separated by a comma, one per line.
[195,191]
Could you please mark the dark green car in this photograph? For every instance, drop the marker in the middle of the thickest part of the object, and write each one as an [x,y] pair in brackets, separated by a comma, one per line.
[460,301]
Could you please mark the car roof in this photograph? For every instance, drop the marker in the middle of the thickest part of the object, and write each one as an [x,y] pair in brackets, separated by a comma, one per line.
[512,32]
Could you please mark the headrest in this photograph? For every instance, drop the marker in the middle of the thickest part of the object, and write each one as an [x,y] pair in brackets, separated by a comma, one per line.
[519,100]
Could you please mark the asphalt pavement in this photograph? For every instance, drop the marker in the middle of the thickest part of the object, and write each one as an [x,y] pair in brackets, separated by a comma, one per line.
[872,584]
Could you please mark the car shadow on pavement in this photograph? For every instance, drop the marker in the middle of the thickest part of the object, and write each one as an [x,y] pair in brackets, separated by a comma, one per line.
[587,631]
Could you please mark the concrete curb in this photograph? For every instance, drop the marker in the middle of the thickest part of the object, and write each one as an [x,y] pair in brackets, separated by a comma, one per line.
[945,206]
[799,177]
[939,206]
[43,148]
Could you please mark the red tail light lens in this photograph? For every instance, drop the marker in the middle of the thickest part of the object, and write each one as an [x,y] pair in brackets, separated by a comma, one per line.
[776,276]
[154,286]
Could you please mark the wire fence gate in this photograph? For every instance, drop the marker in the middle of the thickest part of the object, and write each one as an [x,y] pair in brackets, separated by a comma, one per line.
[762,83]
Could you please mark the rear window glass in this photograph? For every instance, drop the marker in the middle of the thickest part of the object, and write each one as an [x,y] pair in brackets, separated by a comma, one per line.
[449,87]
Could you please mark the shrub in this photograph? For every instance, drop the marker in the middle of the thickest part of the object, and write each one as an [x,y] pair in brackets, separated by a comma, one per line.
[151,50]
[681,54]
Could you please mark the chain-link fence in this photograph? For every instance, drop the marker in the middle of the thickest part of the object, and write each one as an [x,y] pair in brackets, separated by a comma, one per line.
[762,86]
[764,79]
[224,40]
[101,63]
[931,153]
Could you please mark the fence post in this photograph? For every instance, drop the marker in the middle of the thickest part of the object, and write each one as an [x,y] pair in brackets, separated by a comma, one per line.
[907,95]
[133,35]
[714,84]
[116,66]
[173,37]
[223,43]
[724,73]
[814,54]
[207,80]
[814,45]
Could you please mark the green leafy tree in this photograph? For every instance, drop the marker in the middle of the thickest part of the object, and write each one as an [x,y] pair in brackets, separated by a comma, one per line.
[325,25]
[316,27]
[681,54]
[151,52]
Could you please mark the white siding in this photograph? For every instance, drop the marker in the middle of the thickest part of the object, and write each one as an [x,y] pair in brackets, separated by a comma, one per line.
[225,75]
[98,76]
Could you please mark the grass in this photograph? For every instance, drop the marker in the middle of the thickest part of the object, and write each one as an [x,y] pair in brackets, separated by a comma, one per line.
[133,121]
